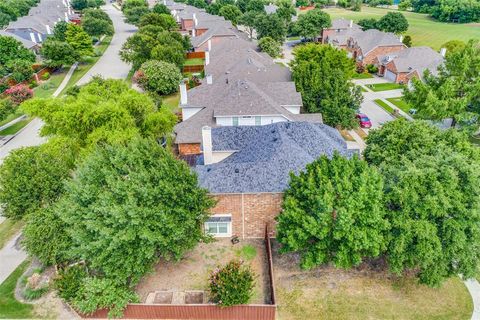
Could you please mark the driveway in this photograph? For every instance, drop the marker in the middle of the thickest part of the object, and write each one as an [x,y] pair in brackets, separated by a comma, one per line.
[287,49]
[110,65]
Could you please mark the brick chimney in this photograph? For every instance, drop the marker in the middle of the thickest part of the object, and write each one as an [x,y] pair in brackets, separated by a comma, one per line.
[207,145]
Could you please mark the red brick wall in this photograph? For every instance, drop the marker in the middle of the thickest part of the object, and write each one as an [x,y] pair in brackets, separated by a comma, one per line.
[250,212]
[380,51]
[187,24]
[189,148]
[199,32]
[215,40]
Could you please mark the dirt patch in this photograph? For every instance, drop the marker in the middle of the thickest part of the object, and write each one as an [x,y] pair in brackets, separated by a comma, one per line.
[366,292]
[191,273]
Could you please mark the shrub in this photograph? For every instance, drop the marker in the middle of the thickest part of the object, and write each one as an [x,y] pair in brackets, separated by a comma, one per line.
[33,294]
[19,93]
[45,76]
[372,68]
[6,108]
[232,284]
[69,280]
[159,77]
[270,46]
[33,84]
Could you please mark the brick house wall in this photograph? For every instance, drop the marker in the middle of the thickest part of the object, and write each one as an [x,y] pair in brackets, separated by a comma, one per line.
[187,24]
[371,57]
[250,212]
[215,40]
[199,32]
[189,148]
[402,77]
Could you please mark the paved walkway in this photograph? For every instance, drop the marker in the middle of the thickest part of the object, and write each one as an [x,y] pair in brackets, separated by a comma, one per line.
[65,80]
[474,288]
[11,256]
[110,65]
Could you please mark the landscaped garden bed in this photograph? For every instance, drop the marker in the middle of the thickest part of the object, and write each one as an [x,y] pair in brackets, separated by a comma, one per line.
[366,292]
[191,274]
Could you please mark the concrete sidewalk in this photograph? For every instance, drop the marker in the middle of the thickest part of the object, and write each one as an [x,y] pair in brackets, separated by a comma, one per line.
[474,288]
[11,256]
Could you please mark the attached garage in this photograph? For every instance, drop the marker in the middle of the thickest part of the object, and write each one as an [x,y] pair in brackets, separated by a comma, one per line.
[389,75]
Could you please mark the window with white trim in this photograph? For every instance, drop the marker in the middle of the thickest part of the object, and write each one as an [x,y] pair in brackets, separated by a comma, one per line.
[219,226]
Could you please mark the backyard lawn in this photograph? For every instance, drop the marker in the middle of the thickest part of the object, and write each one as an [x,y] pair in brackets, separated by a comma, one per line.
[10,308]
[400,103]
[423,30]
[384,86]
[194,62]
[171,101]
[362,294]
[14,128]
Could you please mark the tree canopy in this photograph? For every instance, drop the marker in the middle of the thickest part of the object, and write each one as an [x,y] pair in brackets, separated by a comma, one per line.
[333,211]
[311,24]
[321,73]
[462,11]
[96,23]
[11,52]
[159,77]
[230,12]
[271,26]
[391,22]
[57,53]
[80,41]
[452,93]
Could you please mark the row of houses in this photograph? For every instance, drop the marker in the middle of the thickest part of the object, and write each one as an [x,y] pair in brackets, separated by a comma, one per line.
[243,130]
[385,50]
[31,30]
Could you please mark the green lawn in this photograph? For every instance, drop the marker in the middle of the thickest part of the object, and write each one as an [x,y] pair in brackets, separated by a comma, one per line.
[384,86]
[14,128]
[47,88]
[8,229]
[194,62]
[423,30]
[362,75]
[171,101]
[400,103]
[18,112]
[83,67]
[10,308]
[384,106]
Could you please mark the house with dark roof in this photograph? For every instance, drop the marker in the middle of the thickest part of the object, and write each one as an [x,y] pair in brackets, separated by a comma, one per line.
[247,168]
[30,45]
[402,66]
[366,46]
[338,33]
[235,102]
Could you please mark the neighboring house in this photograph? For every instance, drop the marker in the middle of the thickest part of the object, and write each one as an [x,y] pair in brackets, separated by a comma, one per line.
[41,20]
[247,169]
[403,65]
[30,45]
[235,102]
[366,46]
[216,31]
[338,33]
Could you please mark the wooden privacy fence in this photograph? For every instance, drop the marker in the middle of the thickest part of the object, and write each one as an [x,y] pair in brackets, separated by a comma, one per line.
[192,312]
[192,69]
[195,55]
[268,247]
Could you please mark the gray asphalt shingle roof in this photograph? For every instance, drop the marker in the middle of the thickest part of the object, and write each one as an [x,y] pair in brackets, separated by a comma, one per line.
[266,155]
[370,39]
[26,43]
[415,59]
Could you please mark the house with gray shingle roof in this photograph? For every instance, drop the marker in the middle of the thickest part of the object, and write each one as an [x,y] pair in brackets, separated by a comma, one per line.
[402,66]
[235,102]
[338,33]
[30,45]
[246,169]
[366,46]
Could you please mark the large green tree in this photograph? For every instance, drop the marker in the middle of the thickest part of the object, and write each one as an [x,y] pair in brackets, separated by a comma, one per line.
[159,77]
[58,53]
[32,178]
[230,12]
[454,92]
[393,22]
[80,41]
[249,21]
[271,26]
[322,73]
[10,51]
[96,23]
[129,205]
[103,111]
[311,24]
[165,21]
[333,211]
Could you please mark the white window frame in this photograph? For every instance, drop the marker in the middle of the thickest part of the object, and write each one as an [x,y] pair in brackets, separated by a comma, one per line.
[220,235]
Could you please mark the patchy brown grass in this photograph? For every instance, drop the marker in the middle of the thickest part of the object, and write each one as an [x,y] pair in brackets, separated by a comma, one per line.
[191,273]
[361,133]
[346,135]
[364,293]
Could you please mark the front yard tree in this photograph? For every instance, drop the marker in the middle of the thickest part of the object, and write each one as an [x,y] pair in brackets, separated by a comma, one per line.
[433,204]
[270,46]
[272,26]
[12,49]
[160,8]
[32,177]
[159,77]
[311,24]
[454,92]
[80,41]
[249,20]
[321,73]
[129,205]
[333,211]
[59,30]
[165,21]
[230,12]
[57,53]
[96,27]
[135,14]
[286,10]
[393,22]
